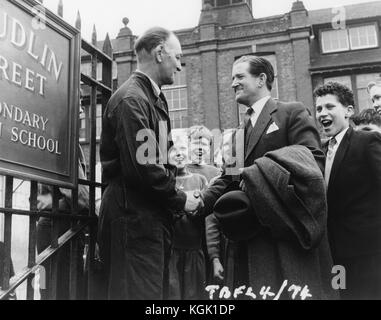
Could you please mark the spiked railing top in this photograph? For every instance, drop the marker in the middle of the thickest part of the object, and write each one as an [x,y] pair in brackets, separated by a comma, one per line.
[60,8]
[78,22]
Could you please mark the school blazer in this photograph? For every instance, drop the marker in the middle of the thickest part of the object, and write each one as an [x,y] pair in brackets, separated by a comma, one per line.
[354,196]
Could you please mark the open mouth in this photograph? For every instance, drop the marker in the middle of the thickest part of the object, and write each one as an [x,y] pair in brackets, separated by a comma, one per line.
[326,123]
[238,90]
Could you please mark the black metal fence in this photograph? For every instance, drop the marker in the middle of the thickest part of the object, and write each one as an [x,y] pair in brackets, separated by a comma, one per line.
[80,224]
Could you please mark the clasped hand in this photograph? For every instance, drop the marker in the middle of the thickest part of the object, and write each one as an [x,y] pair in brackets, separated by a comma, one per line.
[194,203]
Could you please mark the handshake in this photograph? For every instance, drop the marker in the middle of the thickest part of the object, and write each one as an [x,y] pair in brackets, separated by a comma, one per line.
[194,203]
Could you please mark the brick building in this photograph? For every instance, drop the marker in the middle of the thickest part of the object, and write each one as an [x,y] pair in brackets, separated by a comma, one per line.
[306,48]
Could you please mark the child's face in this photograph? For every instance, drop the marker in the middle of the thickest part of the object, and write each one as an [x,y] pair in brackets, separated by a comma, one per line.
[178,156]
[200,149]
[332,115]
[375,94]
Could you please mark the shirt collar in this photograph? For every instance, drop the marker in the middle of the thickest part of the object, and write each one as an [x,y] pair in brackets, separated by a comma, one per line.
[154,84]
[339,137]
[259,105]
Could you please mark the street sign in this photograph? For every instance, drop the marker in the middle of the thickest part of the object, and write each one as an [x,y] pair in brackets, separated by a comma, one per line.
[39,94]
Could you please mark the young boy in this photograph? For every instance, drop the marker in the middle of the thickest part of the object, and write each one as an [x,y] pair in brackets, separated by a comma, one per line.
[353,175]
[200,139]
[374,90]
[187,279]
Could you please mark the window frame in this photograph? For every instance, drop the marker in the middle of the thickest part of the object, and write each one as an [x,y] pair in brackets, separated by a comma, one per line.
[348,38]
[181,110]
[364,47]
[353,76]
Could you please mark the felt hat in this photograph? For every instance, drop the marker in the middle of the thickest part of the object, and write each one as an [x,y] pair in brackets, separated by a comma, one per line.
[236,216]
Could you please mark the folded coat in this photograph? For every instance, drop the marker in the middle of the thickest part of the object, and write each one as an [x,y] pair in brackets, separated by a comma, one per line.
[288,195]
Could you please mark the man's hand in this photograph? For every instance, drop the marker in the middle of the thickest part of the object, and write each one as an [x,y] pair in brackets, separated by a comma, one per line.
[44,202]
[218,270]
[193,203]
[242,186]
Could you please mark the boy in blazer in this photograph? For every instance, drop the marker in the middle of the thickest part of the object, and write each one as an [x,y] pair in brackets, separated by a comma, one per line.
[353,175]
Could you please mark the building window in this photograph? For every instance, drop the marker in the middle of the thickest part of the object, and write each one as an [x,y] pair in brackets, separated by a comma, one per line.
[82,126]
[362,81]
[274,91]
[335,40]
[85,123]
[86,69]
[363,37]
[358,84]
[99,120]
[177,98]
[114,70]
[220,3]
[351,38]
[2,195]
[344,80]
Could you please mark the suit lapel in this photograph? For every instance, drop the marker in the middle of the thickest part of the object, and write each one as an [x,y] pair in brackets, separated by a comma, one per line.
[260,126]
[340,155]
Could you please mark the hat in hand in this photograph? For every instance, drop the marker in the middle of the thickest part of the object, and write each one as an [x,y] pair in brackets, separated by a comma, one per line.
[236,216]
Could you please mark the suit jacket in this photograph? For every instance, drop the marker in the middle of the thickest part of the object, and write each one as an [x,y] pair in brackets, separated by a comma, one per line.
[295,125]
[354,196]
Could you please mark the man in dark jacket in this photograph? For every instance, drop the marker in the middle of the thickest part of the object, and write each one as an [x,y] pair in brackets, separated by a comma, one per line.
[138,204]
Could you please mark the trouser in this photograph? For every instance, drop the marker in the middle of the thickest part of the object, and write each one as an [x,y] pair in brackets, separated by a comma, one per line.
[140,251]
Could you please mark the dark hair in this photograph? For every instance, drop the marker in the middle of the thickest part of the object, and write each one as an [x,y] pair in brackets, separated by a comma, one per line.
[342,92]
[259,65]
[367,116]
[151,39]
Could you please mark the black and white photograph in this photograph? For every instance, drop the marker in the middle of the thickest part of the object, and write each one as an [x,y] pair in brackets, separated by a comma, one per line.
[190,155]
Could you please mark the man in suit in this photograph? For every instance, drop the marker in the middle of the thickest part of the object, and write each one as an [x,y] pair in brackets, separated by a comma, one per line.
[269,125]
[138,205]
[353,175]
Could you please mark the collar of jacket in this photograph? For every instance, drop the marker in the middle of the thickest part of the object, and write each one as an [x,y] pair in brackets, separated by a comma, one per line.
[264,119]
[157,101]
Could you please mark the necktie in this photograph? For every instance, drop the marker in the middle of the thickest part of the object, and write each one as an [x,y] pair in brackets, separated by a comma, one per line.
[248,125]
[248,116]
[330,157]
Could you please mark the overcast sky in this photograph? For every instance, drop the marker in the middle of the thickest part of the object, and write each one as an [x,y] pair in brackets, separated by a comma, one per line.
[107,15]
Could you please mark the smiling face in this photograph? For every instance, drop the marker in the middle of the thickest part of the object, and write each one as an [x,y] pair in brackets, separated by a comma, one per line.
[246,86]
[375,95]
[178,156]
[199,150]
[332,115]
